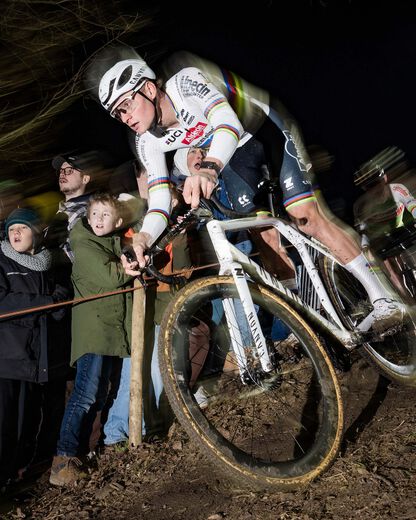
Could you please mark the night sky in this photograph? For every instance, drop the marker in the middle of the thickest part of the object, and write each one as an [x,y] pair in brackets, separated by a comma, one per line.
[345,69]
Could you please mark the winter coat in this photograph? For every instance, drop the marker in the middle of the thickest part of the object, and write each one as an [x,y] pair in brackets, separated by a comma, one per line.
[100,326]
[34,347]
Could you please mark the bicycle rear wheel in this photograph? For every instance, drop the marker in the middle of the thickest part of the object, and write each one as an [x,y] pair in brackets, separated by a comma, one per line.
[277,430]
[395,356]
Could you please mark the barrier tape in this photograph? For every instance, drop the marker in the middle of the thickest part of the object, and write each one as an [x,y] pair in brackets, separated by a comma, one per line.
[29,310]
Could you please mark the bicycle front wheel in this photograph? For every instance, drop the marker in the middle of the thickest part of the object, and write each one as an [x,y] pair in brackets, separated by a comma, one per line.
[274,430]
[394,356]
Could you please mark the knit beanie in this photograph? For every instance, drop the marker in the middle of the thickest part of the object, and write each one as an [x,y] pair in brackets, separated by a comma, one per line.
[24,216]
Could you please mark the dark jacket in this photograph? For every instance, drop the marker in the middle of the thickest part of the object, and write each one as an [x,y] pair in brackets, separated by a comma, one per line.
[101,326]
[33,347]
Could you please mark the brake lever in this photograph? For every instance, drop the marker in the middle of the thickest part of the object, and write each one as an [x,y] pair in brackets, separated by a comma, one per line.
[130,255]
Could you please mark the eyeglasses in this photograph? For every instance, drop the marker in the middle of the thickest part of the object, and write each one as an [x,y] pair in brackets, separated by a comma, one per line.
[124,106]
[66,172]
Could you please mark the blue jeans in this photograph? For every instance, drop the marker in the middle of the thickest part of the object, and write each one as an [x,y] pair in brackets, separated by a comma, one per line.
[116,428]
[88,397]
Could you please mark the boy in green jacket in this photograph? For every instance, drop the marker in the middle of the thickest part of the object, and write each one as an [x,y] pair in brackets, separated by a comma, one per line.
[100,327]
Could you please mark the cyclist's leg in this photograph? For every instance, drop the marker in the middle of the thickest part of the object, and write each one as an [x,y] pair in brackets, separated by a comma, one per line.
[300,201]
[242,177]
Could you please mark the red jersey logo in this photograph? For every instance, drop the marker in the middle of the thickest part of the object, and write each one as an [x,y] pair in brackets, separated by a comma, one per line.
[194,133]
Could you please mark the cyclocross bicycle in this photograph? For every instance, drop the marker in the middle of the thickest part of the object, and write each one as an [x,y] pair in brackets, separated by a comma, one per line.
[266,408]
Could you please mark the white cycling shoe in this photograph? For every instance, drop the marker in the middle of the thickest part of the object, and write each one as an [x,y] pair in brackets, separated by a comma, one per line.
[387,314]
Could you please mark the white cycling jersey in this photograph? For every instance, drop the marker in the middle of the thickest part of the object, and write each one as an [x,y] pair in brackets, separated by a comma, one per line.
[220,111]
[205,119]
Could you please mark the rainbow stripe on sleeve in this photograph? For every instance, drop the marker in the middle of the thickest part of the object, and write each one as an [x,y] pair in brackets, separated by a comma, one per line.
[297,200]
[411,207]
[159,212]
[234,88]
[218,103]
[162,183]
[230,130]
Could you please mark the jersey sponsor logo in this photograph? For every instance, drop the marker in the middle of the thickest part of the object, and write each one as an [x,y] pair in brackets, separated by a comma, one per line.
[191,87]
[288,183]
[138,76]
[292,150]
[194,133]
[243,200]
[399,189]
[186,118]
[173,136]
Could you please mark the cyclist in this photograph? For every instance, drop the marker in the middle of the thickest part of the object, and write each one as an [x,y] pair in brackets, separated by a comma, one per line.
[211,107]
[386,205]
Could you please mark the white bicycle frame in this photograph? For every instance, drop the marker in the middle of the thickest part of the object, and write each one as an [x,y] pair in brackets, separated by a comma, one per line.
[234,262]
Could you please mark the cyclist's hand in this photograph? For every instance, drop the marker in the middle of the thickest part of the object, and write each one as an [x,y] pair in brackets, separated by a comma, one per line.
[199,184]
[140,244]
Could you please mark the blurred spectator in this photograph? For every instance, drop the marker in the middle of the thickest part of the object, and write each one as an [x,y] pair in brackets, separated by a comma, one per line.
[32,351]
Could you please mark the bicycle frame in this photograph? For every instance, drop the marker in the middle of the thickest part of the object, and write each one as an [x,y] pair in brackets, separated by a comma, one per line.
[234,262]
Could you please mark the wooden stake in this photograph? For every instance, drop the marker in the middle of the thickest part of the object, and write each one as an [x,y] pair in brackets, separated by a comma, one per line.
[136,373]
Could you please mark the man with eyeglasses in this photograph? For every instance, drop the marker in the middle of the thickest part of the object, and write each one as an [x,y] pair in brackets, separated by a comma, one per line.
[74,175]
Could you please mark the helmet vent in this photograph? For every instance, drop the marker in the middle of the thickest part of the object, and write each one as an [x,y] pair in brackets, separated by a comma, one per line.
[125,76]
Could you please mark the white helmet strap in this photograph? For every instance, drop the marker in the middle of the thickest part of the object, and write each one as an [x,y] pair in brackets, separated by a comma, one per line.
[157,115]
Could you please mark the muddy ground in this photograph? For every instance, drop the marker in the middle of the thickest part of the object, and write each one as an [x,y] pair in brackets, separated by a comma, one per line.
[374,476]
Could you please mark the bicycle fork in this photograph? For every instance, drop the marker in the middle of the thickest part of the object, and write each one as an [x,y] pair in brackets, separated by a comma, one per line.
[260,350]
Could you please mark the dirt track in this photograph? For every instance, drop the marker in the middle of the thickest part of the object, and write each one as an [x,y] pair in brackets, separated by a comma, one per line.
[373,478]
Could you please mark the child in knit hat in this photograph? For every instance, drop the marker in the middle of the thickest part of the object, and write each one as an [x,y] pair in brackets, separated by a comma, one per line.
[31,347]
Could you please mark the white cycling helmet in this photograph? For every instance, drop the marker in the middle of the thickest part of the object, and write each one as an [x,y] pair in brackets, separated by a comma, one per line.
[123,76]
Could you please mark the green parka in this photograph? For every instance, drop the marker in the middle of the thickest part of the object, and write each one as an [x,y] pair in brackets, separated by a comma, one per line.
[101,326]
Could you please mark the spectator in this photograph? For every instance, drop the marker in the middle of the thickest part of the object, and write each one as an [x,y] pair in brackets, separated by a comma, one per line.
[32,348]
[100,329]
[76,176]
[157,413]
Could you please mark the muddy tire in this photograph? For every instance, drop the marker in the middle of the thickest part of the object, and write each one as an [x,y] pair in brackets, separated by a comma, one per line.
[277,430]
[395,356]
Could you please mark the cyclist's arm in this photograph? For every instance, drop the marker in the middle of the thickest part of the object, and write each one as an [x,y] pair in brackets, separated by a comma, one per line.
[159,197]
[215,107]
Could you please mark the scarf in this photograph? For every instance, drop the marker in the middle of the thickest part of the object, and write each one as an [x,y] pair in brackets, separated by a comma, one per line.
[38,262]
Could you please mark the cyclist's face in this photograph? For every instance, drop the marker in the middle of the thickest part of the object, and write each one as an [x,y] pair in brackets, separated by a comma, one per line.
[194,159]
[135,111]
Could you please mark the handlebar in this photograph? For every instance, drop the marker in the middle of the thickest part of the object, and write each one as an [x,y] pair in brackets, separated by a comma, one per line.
[191,216]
